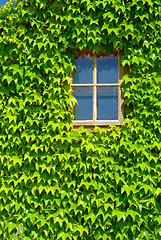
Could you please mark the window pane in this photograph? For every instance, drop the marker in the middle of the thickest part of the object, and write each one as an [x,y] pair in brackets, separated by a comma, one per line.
[107,103]
[84,96]
[84,73]
[107,69]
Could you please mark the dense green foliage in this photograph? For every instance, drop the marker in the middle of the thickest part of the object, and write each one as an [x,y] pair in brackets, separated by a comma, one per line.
[62,184]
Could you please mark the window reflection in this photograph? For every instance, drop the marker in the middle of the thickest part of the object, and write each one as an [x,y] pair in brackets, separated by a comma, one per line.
[107,69]
[84,98]
[107,103]
[84,73]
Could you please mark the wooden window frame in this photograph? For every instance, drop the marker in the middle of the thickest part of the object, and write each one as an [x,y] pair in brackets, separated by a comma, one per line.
[103,123]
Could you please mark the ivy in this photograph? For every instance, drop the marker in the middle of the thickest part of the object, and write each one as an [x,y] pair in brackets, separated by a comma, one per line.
[61,183]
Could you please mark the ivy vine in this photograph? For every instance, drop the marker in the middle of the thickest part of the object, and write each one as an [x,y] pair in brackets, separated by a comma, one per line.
[57,183]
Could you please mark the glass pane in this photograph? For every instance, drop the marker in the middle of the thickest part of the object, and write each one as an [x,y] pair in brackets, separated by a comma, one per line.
[84,96]
[84,73]
[107,103]
[107,69]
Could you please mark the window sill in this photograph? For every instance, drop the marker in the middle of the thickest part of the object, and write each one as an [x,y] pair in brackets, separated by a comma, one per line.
[99,123]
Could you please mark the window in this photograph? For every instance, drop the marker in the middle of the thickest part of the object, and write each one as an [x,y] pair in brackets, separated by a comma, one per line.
[97,88]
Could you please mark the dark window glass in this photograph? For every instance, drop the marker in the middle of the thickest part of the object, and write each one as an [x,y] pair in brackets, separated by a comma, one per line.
[84,96]
[107,69]
[84,73]
[107,103]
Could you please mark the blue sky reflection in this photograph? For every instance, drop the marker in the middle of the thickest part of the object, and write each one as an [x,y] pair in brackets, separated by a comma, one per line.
[2,2]
[84,73]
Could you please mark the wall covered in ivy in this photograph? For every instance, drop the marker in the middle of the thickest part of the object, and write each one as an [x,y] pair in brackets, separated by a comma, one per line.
[56,183]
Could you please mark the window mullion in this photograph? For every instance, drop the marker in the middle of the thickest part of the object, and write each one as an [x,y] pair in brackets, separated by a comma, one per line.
[94,88]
